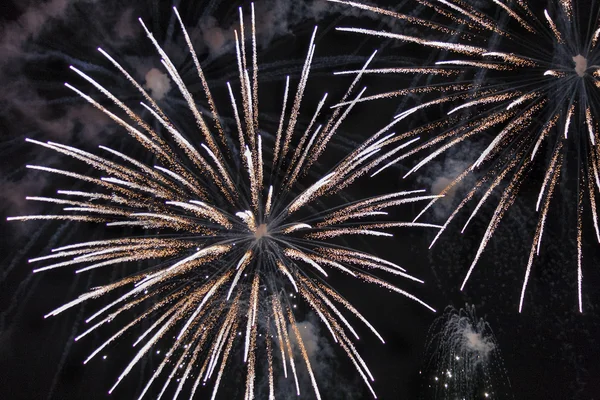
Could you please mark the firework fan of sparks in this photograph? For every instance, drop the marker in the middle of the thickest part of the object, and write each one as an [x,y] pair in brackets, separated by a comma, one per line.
[530,77]
[233,235]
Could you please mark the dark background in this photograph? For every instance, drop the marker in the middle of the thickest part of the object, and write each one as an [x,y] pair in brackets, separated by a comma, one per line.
[550,351]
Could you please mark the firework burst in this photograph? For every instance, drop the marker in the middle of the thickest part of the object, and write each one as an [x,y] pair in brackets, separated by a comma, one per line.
[528,75]
[229,231]
[463,360]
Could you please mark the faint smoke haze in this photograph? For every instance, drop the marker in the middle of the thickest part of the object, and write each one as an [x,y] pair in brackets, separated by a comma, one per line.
[28,112]
[127,26]
[31,22]
[274,19]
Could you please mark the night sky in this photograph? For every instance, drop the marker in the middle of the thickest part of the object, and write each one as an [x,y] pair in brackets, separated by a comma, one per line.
[549,351]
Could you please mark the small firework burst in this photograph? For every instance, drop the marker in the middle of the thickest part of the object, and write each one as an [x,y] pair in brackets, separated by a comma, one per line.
[530,76]
[228,231]
[463,360]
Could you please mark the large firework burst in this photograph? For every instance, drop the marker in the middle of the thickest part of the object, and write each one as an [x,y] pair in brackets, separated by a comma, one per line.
[228,236]
[528,75]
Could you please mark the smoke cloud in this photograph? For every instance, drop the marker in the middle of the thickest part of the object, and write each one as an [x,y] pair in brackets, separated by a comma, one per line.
[438,175]
[158,83]
[475,342]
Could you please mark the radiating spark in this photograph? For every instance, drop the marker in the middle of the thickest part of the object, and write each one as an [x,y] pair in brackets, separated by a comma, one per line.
[226,233]
[529,87]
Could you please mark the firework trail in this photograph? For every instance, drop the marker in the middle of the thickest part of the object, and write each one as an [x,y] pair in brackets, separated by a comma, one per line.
[462,358]
[529,76]
[228,230]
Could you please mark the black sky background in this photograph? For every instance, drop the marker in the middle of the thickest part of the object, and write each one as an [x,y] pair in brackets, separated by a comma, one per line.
[550,351]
